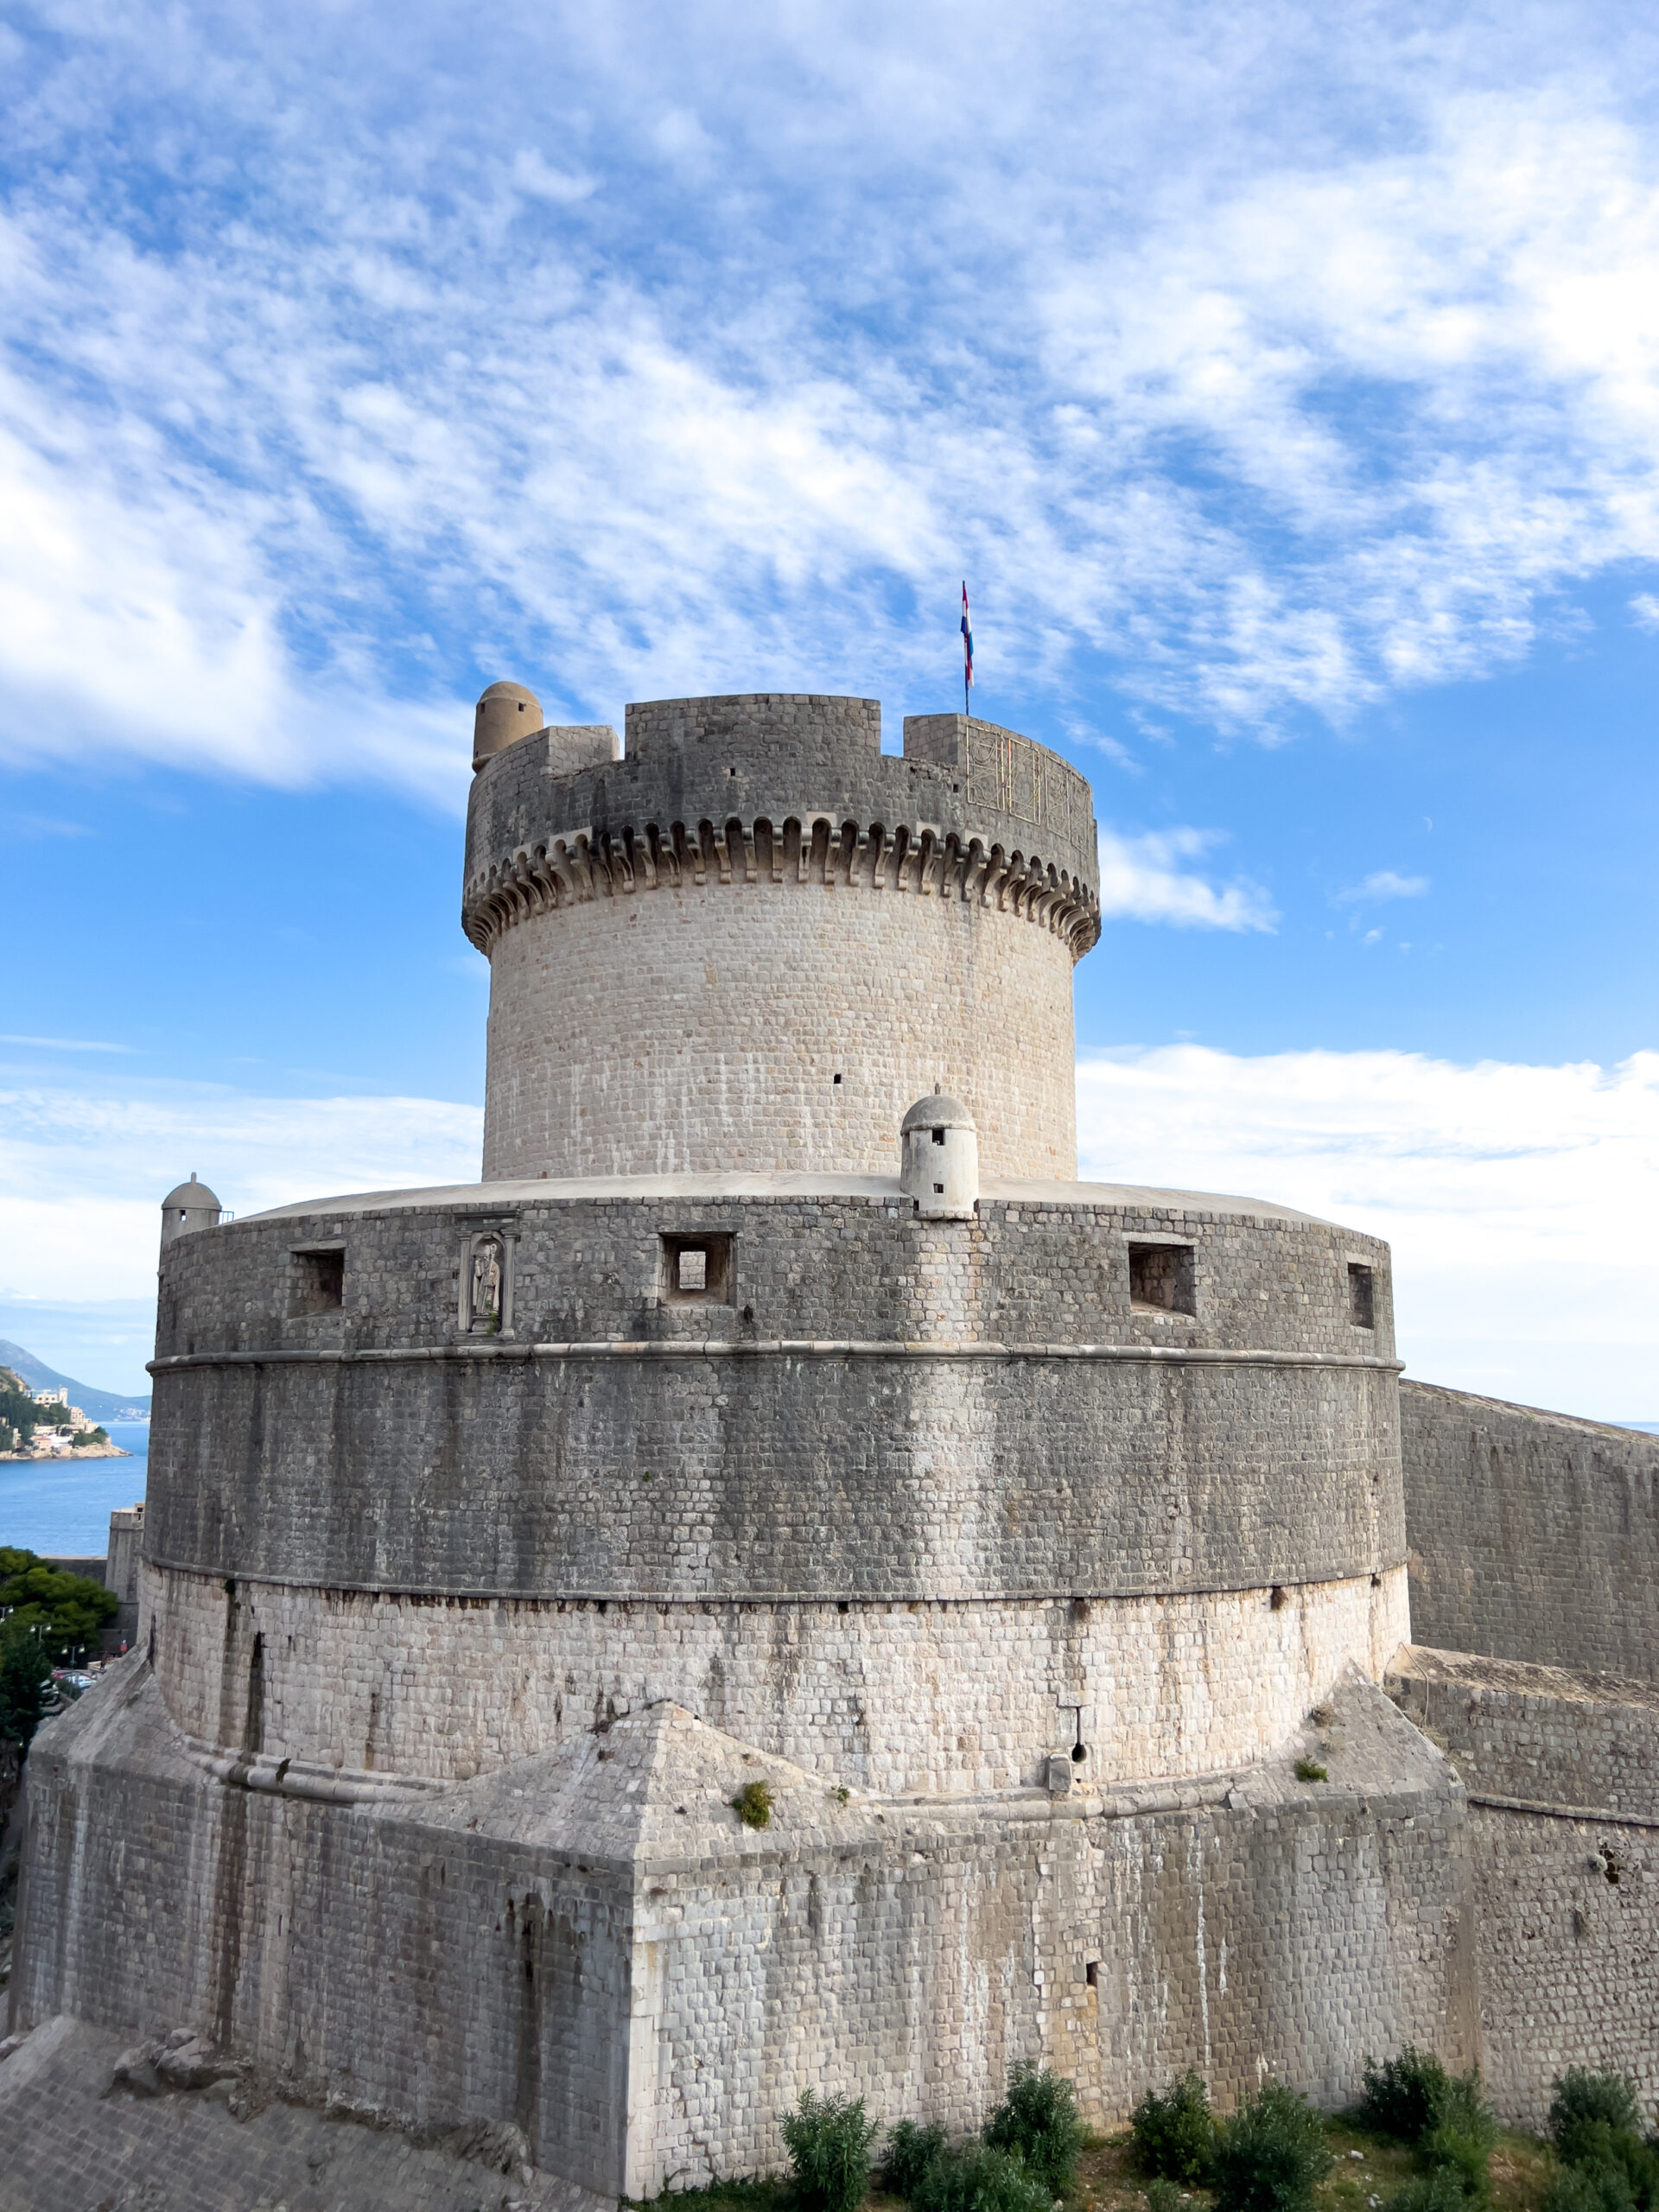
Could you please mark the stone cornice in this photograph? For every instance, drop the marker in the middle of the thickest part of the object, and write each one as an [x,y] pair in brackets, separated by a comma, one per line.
[580,865]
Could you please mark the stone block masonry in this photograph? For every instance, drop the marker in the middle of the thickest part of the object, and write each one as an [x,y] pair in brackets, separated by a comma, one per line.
[1534,1535]
[1022,1535]
[590,1944]
[1562,1774]
[769,938]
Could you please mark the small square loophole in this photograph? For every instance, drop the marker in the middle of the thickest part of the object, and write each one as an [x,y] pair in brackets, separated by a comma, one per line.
[697,1269]
[1362,1296]
[318,1282]
[1161,1279]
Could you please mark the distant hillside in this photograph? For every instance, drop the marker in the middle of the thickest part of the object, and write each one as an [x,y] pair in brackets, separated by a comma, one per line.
[101,1405]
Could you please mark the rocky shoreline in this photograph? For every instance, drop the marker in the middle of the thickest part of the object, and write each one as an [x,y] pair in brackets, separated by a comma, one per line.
[83,1451]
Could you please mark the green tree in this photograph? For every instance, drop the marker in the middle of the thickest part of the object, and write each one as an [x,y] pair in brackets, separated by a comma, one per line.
[70,1609]
[25,1671]
[18,1408]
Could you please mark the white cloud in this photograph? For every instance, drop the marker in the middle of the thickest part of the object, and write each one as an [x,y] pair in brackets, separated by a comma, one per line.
[1289,368]
[1521,1203]
[1644,607]
[82,1180]
[533,173]
[1383,884]
[1142,879]
[67,1043]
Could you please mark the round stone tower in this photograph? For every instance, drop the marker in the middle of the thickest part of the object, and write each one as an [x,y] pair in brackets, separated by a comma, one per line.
[778,1409]
[752,943]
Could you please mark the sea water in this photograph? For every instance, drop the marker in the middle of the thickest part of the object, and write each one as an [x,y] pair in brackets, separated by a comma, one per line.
[61,1508]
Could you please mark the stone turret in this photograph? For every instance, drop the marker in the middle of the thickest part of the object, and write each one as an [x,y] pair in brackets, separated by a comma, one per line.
[939,1166]
[192,1206]
[751,943]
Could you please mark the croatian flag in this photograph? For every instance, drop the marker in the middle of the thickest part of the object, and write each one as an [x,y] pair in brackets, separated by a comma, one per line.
[966,649]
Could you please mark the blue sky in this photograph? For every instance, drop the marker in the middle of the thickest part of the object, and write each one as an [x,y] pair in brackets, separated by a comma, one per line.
[1283,383]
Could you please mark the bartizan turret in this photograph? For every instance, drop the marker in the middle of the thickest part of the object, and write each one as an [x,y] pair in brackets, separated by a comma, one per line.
[192,1206]
[939,1159]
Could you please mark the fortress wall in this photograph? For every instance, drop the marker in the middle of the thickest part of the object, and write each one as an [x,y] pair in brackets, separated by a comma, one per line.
[1562,1773]
[1569,1962]
[1047,1263]
[775,1475]
[531,1948]
[938,1697]
[705,1029]
[1290,1938]
[1534,1535]
[357,1953]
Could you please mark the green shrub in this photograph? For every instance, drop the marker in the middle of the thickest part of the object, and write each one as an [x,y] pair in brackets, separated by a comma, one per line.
[1581,2095]
[1595,2124]
[1440,2191]
[1593,2146]
[752,1805]
[911,2151]
[1405,2097]
[1413,2098]
[978,2177]
[1589,2189]
[1462,2147]
[1162,2195]
[1270,2155]
[1038,2122]
[1175,2134]
[829,2141]
[1311,1770]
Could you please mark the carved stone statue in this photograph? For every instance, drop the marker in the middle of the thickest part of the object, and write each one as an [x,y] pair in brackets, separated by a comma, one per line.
[487,1283]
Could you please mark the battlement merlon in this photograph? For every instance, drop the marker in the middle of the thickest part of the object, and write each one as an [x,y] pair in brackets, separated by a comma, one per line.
[1018,818]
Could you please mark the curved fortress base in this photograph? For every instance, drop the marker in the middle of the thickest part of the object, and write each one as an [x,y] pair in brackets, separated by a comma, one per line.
[776,1412]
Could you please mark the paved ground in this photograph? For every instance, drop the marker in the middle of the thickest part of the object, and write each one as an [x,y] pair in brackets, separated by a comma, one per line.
[69,2144]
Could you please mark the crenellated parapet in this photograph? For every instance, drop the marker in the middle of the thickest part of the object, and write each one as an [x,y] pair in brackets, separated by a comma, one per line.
[668,908]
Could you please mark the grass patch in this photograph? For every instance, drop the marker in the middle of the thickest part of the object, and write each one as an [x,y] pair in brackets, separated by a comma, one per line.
[1108,2179]
[742,2193]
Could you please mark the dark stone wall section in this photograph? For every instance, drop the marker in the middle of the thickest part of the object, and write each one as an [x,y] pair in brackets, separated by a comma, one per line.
[1533,1535]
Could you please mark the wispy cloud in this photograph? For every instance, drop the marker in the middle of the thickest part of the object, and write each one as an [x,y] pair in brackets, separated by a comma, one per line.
[82,1178]
[66,1044]
[1146,877]
[1316,363]
[1383,884]
[1494,1184]
[1644,611]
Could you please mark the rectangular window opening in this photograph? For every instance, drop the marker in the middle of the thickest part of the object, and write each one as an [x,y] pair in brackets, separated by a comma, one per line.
[697,1269]
[1161,1279]
[1091,1973]
[1362,1296]
[319,1281]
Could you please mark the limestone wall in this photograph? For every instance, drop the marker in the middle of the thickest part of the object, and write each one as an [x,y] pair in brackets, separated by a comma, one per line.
[813,1259]
[757,940]
[914,1442]
[773,1024]
[356,1952]
[1562,1774]
[964,1696]
[591,1945]
[1534,1536]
